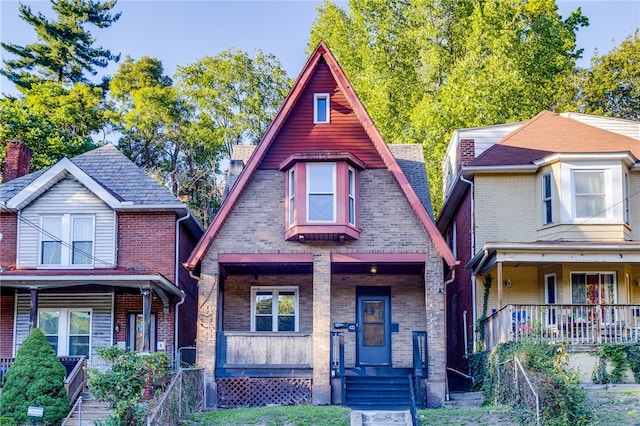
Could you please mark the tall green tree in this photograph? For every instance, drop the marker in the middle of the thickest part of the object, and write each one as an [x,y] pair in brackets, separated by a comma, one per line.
[231,98]
[65,50]
[426,67]
[611,85]
[52,120]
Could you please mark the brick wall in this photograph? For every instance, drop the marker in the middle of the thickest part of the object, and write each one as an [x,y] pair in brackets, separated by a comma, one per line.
[146,242]
[126,304]
[6,325]
[9,229]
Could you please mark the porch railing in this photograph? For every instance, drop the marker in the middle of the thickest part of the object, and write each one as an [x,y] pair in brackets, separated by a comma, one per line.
[573,324]
[269,350]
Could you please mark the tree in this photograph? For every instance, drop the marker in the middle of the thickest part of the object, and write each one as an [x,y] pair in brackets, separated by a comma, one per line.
[52,120]
[36,378]
[611,86]
[64,51]
[231,99]
[424,68]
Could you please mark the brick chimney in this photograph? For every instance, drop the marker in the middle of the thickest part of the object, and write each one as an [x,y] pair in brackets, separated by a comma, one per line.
[17,161]
[466,152]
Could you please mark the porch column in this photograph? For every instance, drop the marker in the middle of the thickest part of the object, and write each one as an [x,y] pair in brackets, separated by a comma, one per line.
[208,295]
[321,389]
[146,320]
[33,309]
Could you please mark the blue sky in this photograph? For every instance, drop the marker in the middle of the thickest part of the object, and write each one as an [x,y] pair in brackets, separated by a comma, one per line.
[180,32]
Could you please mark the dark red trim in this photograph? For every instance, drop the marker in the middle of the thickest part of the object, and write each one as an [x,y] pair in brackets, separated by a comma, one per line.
[322,156]
[265,257]
[378,257]
[330,232]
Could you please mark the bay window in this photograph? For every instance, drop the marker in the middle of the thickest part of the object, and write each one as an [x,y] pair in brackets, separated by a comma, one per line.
[321,196]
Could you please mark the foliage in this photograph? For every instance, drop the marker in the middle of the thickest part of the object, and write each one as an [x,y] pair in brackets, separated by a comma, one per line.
[64,51]
[123,382]
[562,400]
[426,68]
[230,99]
[623,356]
[611,85]
[36,378]
[52,120]
[485,307]
[478,368]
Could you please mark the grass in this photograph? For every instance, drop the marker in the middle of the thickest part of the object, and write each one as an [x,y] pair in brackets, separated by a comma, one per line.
[614,406]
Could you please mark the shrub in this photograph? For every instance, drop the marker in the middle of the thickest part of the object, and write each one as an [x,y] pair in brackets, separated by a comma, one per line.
[122,384]
[35,378]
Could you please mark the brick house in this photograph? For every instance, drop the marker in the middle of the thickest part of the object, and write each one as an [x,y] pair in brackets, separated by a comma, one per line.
[90,254]
[542,212]
[323,266]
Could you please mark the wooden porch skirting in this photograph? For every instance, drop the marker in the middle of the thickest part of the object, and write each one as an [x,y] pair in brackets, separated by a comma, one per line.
[261,391]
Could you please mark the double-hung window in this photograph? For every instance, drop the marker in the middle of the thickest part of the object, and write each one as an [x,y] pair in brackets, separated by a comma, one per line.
[274,309]
[68,331]
[66,240]
[321,198]
[547,200]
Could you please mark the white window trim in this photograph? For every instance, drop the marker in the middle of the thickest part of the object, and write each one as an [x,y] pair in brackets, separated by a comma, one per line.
[547,198]
[291,197]
[63,327]
[67,241]
[274,312]
[614,208]
[351,195]
[612,273]
[334,192]
[625,197]
[316,97]
[546,297]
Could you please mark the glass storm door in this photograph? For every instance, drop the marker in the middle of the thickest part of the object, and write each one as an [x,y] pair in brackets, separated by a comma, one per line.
[374,334]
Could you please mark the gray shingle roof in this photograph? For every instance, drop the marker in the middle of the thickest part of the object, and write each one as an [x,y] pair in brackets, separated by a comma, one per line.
[115,172]
[410,158]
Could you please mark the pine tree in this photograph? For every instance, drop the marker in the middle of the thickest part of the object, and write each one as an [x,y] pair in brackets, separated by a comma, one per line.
[64,51]
[36,378]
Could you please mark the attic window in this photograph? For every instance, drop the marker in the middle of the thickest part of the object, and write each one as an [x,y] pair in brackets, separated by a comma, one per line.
[321,108]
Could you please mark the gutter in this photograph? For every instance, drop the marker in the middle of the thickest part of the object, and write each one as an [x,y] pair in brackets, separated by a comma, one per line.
[472,282]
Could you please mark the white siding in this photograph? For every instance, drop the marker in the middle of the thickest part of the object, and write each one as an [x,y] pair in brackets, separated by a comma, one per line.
[101,305]
[616,125]
[67,196]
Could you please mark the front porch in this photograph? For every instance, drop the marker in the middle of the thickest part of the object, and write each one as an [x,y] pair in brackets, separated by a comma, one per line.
[577,324]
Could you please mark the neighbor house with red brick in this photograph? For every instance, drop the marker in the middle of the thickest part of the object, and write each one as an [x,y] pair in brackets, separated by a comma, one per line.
[91,249]
[322,277]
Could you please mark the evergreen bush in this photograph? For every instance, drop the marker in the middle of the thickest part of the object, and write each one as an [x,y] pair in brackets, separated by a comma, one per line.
[36,378]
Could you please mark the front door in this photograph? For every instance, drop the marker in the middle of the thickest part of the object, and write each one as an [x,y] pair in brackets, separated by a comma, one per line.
[373,330]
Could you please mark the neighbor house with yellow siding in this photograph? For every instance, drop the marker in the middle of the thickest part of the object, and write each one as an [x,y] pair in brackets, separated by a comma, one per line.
[544,214]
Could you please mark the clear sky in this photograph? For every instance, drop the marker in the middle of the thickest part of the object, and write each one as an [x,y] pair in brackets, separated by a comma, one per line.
[180,32]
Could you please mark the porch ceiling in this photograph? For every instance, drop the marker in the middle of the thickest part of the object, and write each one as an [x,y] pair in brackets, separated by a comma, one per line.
[266,268]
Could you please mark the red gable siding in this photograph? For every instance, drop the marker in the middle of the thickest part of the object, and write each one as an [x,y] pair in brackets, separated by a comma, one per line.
[343,133]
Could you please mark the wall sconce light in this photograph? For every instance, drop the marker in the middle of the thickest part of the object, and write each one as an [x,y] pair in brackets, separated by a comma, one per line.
[117,328]
[507,282]
[440,290]
[374,269]
[638,282]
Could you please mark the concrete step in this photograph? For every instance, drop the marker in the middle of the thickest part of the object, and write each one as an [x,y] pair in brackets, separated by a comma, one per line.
[381,418]
[464,400]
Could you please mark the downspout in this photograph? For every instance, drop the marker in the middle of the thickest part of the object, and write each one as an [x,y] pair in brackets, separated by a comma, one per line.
[472,215]
[446,376]
[183,295]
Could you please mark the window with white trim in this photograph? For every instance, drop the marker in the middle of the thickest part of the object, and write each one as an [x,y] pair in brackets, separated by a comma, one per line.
[352,196]
[66,240]
[547,200]
[68,331]
[321,110]
[625,195]
[593,287]
[321,190]
[274,308]
[590,194]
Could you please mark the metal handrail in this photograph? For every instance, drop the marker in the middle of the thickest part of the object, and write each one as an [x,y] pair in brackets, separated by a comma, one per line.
[77,405]
[533,391]
[414,408]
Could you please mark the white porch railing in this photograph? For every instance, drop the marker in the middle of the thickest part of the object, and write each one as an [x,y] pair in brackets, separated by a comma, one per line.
[573,324]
